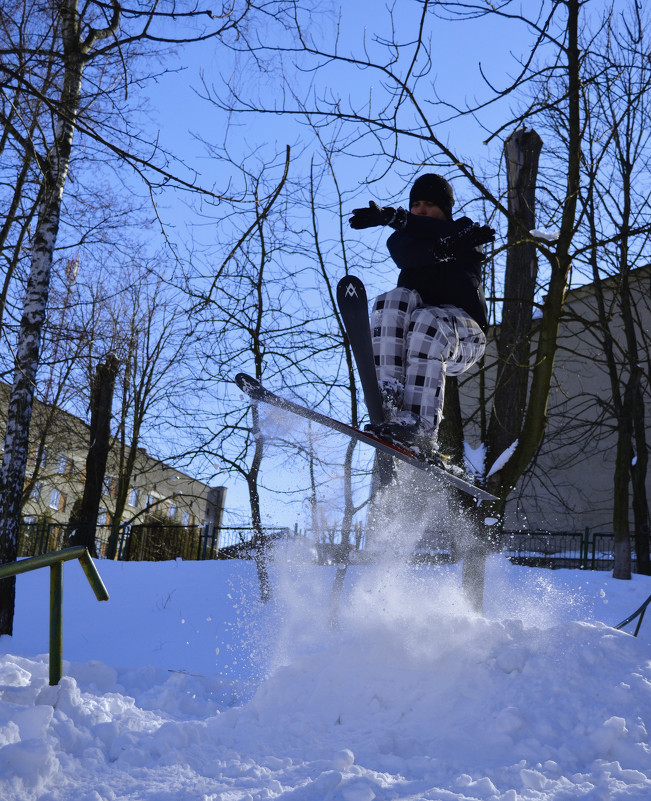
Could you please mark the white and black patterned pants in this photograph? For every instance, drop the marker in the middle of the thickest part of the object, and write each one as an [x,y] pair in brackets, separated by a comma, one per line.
[415,346]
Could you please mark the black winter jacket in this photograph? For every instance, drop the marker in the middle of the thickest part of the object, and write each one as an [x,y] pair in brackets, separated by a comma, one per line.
[438,265]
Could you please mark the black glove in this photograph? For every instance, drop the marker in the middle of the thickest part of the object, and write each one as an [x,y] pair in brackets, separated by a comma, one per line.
[469,234]
[376,215]
[462,241]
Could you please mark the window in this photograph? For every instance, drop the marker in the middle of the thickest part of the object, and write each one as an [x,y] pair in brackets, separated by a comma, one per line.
[64,465]
[35,494]
[109,486]
[134,497]
[187,518]
[57,500]
[34,455]
[172,509]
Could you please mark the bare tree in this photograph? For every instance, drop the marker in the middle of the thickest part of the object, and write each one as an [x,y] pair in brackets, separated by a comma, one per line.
[154,336]
[249,326]
[616,205]
[397,122]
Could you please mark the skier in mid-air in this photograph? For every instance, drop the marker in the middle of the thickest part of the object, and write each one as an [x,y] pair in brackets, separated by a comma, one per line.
[434,322]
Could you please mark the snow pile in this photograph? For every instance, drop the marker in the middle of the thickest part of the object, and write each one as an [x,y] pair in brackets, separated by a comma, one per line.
[414,697]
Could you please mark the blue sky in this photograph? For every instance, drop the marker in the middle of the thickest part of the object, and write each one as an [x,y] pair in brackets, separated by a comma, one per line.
[185,118]
[457,50]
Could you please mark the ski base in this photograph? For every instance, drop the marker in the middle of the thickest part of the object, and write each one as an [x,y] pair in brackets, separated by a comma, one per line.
[353,307]
[256,391]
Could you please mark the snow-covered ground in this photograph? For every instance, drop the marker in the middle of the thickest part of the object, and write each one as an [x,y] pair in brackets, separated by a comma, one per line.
[182,687]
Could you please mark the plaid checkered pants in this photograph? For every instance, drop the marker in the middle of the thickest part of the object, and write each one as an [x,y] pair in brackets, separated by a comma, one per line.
[415,346]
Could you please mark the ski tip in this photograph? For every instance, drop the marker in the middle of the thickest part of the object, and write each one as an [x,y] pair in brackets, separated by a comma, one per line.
[350,286]
[248,384]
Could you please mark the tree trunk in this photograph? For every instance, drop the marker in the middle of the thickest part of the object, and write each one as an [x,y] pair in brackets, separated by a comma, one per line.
[473,575]
[127,454]
[260,541]
[450,432]
[21,399]
[522,152]
[623,458]
[631,434]
[535,415]
[639,487]
[622,557]
[101,402]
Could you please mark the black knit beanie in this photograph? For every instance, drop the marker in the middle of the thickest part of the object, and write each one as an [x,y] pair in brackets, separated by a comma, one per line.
[435,189]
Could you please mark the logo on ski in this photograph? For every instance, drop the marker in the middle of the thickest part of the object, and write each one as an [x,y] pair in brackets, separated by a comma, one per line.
[351,290]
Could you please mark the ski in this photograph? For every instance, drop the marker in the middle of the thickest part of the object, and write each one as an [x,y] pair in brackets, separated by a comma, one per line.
[353,307]
[256,391]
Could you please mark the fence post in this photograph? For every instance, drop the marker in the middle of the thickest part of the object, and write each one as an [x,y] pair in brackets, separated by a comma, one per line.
[209,537]
[584,548]
[594,549]
[122,538]
[42,535]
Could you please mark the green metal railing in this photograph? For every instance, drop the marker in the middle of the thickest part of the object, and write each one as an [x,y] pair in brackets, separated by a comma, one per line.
[55,562]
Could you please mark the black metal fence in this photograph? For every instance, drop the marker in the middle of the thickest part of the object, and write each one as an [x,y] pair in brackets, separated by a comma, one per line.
[589,550]
[153,542]
[147,543]
[42,537]
[160,543]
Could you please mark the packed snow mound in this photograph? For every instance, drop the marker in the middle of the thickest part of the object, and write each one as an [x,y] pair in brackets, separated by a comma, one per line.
[462,693]
[413,697]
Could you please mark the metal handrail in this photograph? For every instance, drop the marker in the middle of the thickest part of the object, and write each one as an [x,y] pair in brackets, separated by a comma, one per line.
[54,561]
[638,612]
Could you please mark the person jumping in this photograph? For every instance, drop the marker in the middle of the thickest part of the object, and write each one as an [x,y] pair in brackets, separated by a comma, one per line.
[434,322]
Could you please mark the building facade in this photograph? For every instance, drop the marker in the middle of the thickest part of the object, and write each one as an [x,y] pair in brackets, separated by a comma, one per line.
[571,485]
[157,491]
